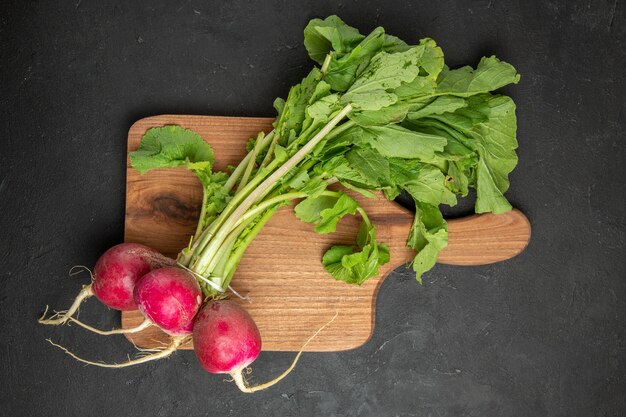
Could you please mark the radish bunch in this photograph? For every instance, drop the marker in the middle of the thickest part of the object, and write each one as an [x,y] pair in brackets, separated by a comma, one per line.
[377,114]
[226,339]
[131,276]
[114,277]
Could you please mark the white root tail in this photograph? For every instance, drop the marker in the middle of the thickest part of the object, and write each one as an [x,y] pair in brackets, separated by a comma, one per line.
[144,325]
[241,383]
[63,317]
[175,343]
[77,269]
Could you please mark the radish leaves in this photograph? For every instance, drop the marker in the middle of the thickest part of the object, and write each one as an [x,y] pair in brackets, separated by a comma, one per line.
[377,115]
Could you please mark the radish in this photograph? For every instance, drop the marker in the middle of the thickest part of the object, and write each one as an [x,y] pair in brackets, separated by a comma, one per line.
[169,298]
[114,278]
[226,340]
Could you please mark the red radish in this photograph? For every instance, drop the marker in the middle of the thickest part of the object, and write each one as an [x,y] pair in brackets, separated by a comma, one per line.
[225,338]
[119,269]
[170,297]
[114,278]
[226,341]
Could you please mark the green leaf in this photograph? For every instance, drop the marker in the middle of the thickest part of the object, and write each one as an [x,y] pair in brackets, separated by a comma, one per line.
[325,211]
[309,209]
[439,105]
[339,168]
[329,217]
[314,187]
[496,143]
[343,70]
[394,113]
[322,89]
[490,75]
[329,35]
[299,180]
[458,178]
[321,111]
[293,110]
[216,196]
[370,100]
[372,90]
[172,147]
[489,196]
[489,127]
[365,193]
[279,106]
[464,119]
[428,236]
[430,62]
[486,126]
[371,165]
[431,59]
[429,186]
[455,148]
[393,44]
[420,88]
[355,265]
[394,141]
[280,153]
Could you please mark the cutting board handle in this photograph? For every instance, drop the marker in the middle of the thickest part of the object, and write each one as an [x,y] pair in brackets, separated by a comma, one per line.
[478,239]
[482,239]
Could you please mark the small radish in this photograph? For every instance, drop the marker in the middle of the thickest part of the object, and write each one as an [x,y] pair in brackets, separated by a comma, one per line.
[114,278]
[169,298]
[119,269]
[226,340]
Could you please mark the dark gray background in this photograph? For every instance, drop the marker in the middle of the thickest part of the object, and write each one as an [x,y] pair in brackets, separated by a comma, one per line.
[540,335]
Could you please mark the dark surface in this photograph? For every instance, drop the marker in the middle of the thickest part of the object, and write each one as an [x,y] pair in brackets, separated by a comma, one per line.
[541,335]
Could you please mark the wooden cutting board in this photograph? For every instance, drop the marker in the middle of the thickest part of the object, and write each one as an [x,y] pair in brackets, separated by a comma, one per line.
[290,294]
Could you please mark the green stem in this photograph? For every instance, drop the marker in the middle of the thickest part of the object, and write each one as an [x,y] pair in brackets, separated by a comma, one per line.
[245,220]
[278,185]
[209,232]
[251,163]
[232,180]
[267,203]
[326,63]
[226,226]
[365,217]
[235,257]
[270,152]
[340,129]
[205,196]
[223,253]
[304,136]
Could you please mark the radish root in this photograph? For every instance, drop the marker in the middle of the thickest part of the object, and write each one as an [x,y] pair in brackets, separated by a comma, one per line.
[144,325]
[241,383]
[77,269]
[63,316]
[175,343]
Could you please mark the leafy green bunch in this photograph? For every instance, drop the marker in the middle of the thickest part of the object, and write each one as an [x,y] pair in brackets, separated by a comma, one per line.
[376,115]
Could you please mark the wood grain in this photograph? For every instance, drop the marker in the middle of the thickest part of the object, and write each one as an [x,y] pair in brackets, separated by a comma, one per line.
[291,295]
